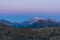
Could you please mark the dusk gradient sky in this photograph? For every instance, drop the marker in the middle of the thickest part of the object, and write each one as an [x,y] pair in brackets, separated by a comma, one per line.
[19,10]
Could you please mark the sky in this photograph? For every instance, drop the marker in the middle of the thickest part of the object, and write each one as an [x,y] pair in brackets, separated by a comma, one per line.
[19,10]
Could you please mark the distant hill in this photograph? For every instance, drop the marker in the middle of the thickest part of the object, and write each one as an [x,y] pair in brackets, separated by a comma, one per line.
[33,23]
[40,23]
[44,24]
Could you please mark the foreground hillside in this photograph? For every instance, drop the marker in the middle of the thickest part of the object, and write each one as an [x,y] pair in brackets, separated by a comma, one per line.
[7,33]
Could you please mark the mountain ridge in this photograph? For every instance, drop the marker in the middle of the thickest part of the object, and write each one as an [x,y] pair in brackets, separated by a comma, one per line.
[35,22]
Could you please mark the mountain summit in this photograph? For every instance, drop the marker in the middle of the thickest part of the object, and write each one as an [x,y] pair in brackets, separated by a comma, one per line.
[30,21]
[36,18]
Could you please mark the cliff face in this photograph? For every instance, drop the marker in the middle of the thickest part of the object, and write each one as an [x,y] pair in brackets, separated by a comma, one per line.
[7,33]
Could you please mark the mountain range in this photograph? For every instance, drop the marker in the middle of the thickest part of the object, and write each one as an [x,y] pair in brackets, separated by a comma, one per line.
[32,23]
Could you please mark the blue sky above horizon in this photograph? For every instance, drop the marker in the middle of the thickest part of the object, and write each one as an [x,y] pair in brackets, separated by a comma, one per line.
[19,10]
